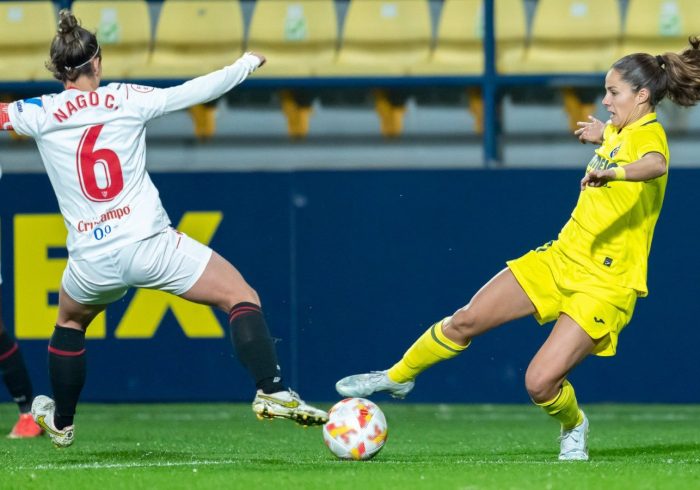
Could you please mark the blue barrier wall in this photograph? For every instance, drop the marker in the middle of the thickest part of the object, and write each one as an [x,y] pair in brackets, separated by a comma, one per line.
[353,266]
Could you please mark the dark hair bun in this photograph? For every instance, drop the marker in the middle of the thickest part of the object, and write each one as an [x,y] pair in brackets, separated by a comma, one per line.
[67,23]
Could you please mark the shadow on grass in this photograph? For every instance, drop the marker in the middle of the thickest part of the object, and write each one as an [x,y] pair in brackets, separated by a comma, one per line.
[650,450]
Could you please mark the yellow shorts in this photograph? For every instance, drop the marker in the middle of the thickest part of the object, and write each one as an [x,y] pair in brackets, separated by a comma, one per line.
[555,284]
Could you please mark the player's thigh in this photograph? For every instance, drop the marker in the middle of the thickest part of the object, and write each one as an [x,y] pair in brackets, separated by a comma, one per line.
[602,311]
[567,345]
[87,286]
[221,285]
[72,314]
[178,264]
[500,300]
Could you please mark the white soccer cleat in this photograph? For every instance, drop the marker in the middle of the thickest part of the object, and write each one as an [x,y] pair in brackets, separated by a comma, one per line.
[287,405]
[574,442]
[363,385]
[43,409]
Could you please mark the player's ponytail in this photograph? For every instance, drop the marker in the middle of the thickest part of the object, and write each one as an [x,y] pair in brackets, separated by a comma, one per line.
[72,49]
[672,75]
[683,71]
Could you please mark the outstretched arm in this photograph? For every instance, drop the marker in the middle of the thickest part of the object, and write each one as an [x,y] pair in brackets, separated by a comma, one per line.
[590,131]
[650,166]
[5,123]
[208,87]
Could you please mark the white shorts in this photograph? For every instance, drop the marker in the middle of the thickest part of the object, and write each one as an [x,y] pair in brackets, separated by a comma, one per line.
[169,261]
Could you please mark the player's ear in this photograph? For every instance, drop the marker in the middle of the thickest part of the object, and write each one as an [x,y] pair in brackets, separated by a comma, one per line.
[97,66]
[643,95]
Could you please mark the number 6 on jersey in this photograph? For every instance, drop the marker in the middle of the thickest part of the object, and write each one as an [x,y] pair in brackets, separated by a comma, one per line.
[99,171]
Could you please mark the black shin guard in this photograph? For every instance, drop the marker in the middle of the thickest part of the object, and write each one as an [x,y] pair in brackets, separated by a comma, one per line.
[67,368]
[255,347]
[14,373]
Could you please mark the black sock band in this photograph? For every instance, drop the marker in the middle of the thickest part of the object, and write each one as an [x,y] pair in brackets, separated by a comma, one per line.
[67,369]
[14,373]
[255,347]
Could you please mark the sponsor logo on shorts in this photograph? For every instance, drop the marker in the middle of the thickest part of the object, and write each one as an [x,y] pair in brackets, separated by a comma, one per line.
[607,262]
[599,320]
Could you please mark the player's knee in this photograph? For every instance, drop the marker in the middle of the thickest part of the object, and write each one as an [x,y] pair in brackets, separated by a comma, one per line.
[252,296]
[241,295]
[539,385]
[466,322]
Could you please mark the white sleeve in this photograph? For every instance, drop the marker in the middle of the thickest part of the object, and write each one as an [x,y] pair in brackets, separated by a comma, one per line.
[156,102]
[26,116]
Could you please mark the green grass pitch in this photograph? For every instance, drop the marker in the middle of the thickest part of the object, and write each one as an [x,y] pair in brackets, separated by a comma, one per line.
[221,446]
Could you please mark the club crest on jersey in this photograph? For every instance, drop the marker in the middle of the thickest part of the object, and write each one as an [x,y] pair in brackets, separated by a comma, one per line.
[614,151]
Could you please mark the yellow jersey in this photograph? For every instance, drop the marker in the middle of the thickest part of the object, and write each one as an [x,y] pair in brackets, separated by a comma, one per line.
[611,227]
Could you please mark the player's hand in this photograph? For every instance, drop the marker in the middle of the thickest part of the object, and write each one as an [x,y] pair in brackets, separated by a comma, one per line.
[260,57]
[597,178]
[590,131]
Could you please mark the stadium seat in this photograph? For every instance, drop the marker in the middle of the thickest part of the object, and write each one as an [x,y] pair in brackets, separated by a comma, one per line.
[123,31]
[296,37]
[659,26]
[573,36]
[193,38]
[459,48]
[383,38]
[459,45]
[27,31]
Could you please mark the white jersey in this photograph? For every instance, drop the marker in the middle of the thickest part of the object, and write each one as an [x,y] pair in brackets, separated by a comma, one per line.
[93,145]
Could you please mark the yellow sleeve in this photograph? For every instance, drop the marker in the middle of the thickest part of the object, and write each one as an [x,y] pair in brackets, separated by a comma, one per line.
[646,141]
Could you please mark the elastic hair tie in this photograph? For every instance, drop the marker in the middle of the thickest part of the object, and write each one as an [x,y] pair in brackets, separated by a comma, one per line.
[70,68]
[660,60]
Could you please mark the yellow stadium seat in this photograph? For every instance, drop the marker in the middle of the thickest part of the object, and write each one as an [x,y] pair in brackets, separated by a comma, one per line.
[573,36]
[194,37]
[26,32]
[123,31]
[383,37]
[296,36]
[659,26]
[459,47]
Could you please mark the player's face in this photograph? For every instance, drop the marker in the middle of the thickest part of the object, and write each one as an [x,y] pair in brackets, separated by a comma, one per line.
[621,101]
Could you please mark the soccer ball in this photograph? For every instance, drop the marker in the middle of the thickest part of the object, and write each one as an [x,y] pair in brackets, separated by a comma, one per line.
[356,429]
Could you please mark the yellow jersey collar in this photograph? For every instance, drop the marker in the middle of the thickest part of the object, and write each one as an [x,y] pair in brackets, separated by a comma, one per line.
[646,119]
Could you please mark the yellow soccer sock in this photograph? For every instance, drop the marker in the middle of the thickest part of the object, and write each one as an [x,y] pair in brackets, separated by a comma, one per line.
[430,348]
[564,407]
